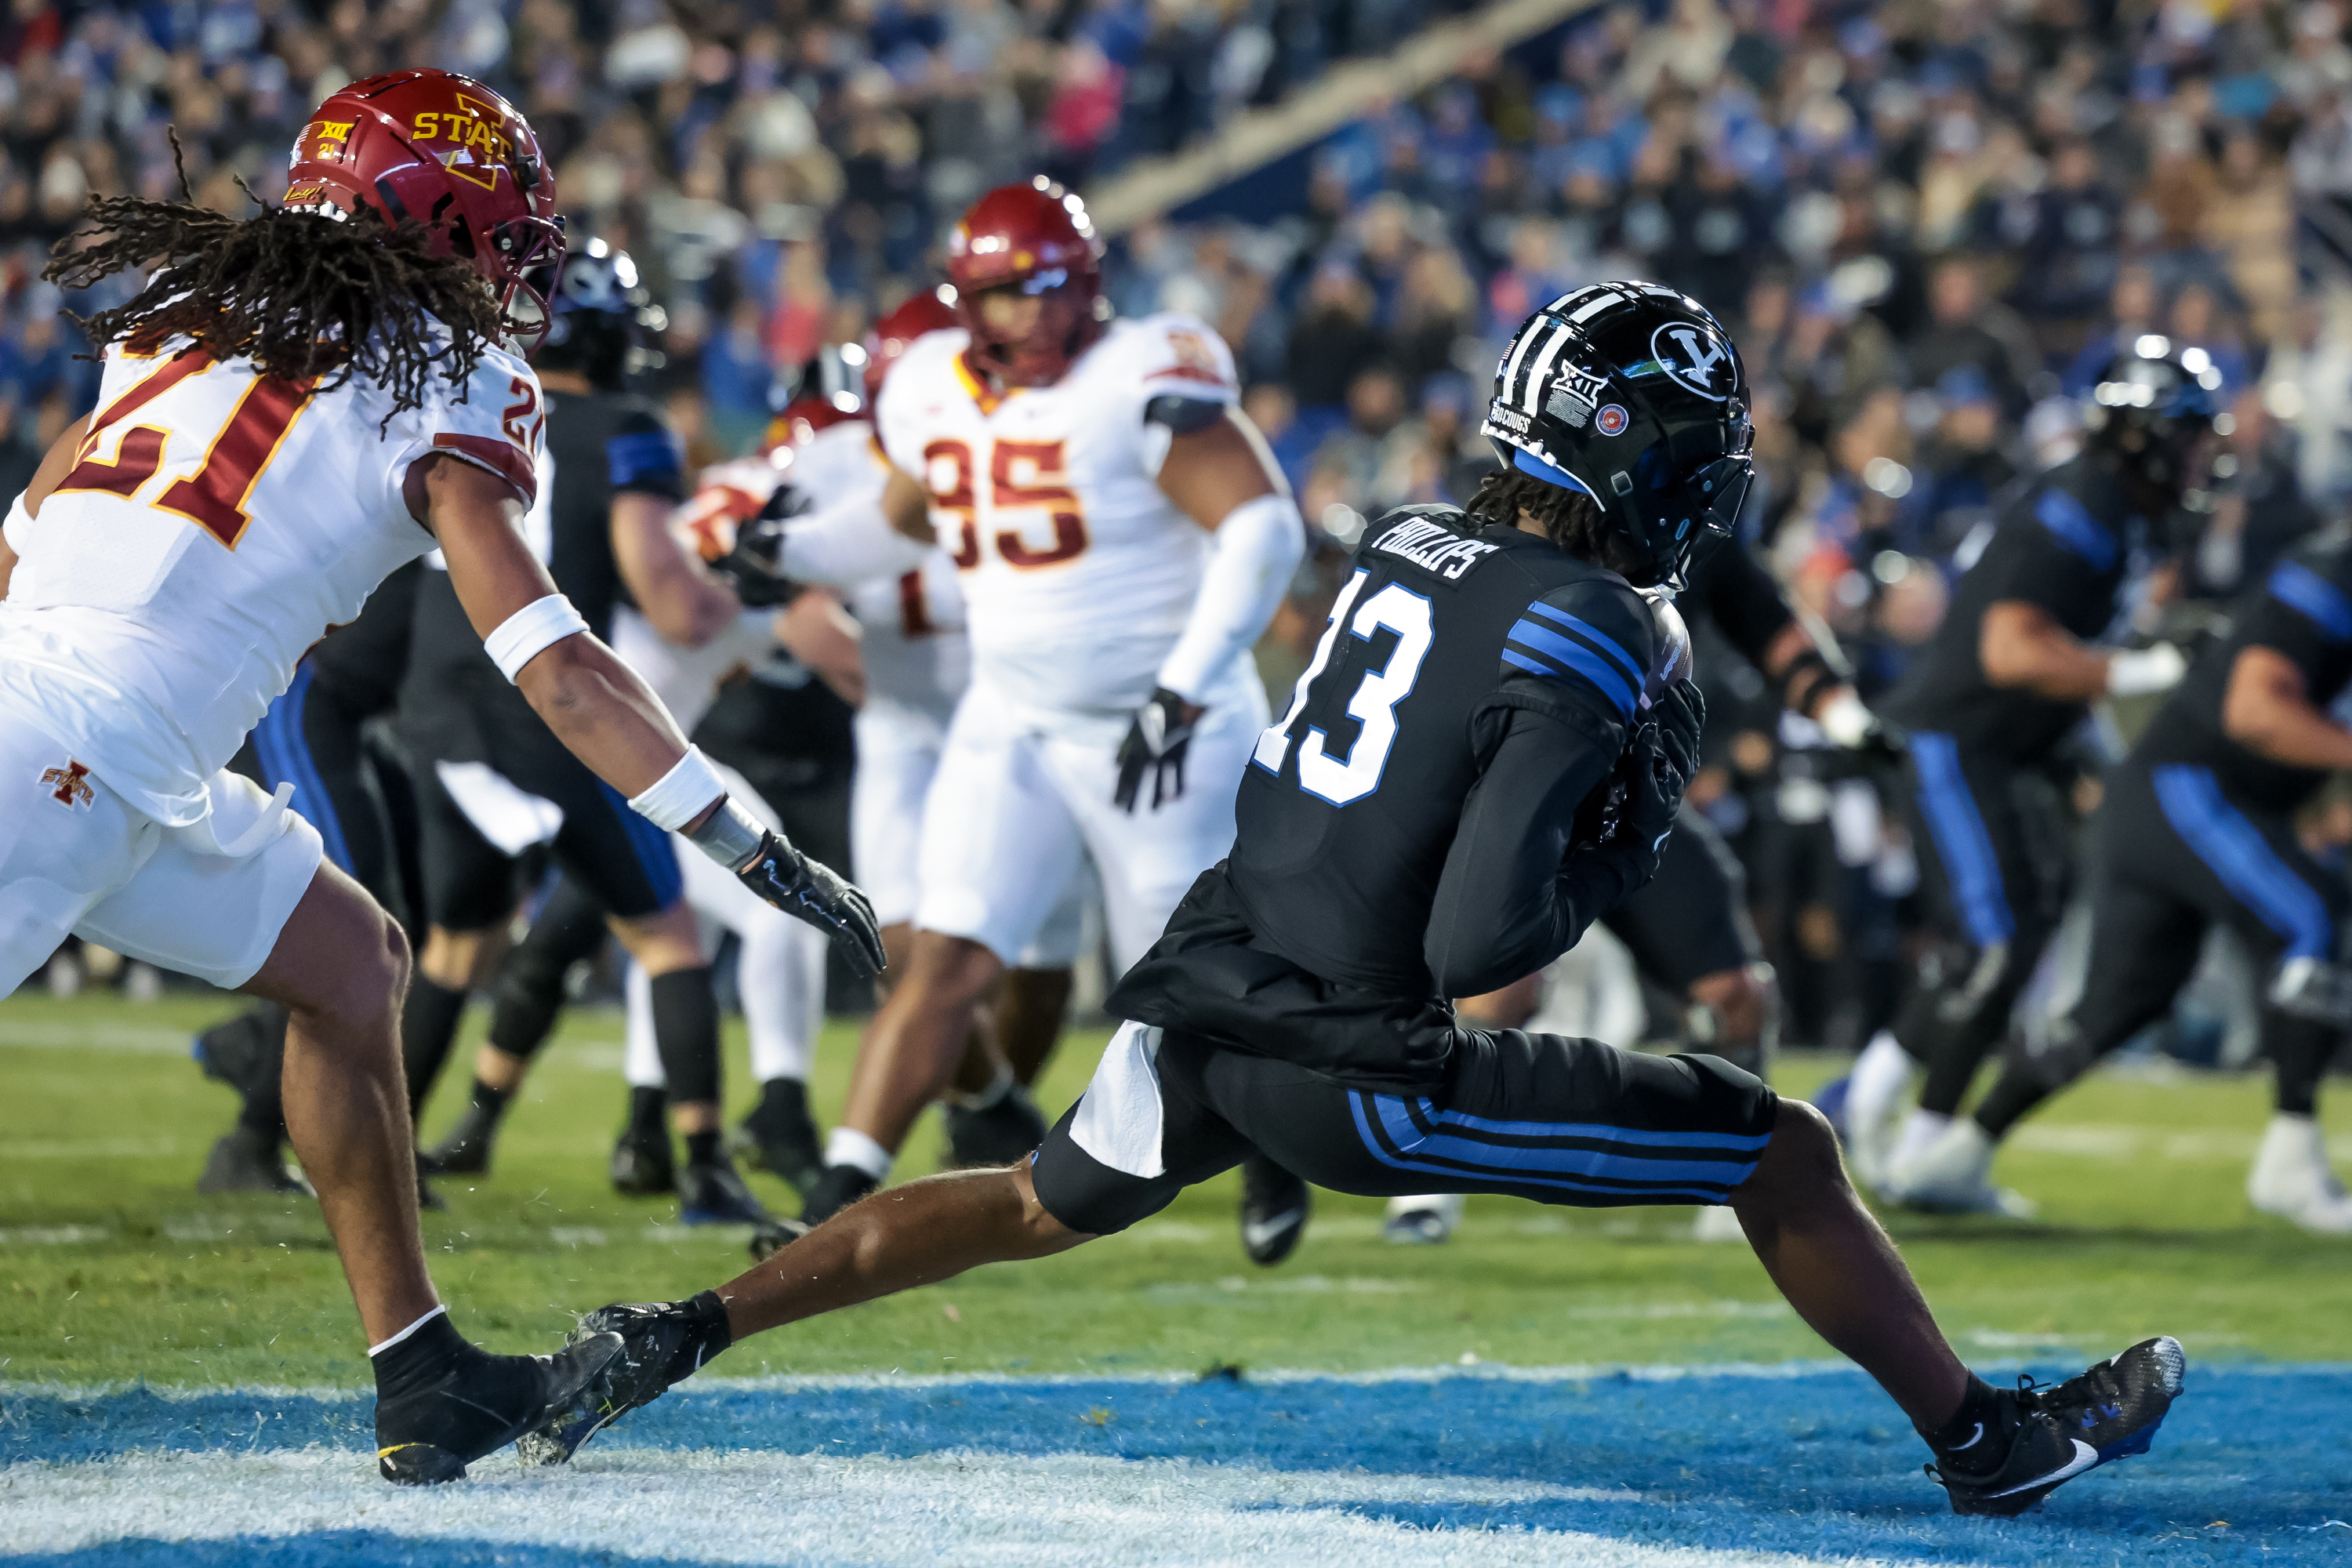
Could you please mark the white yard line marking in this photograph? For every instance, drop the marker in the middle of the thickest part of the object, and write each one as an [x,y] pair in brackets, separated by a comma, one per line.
[967,1506]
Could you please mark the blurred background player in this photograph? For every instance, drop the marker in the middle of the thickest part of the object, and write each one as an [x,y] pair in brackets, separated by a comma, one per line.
[358,796]
[493,780]
[598,314]
[2010,673]
[1123,538]
[2197,830]
[822,526]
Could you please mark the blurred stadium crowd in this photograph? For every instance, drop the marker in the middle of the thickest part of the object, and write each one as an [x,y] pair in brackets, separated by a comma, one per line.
[1925,224]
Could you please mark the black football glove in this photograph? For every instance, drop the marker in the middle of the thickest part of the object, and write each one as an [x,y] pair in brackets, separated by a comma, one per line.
[754,568]
[1155,744]
[1657,766]
[806,889]
[811,890]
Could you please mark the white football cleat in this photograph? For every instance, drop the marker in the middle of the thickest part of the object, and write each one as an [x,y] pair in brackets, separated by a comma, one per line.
[1423,1221]
[1718,1223]
[2291,1178]
[1881,1082]
[1954,1176]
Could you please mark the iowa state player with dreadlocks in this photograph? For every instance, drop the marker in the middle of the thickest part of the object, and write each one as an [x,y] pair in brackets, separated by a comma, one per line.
[297,404]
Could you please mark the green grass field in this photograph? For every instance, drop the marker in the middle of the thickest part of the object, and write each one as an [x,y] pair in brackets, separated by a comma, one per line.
[116,1269]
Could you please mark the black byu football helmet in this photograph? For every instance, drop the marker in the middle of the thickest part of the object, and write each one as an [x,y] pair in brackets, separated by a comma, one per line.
[1634,394]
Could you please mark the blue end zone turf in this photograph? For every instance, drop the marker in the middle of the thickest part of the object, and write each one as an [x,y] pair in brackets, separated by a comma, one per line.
[2254,1464]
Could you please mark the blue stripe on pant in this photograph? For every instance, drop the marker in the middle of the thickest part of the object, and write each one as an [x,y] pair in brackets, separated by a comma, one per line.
[1961,841]
[1583,1158]
[284,752]
[2221,836]
[655,851]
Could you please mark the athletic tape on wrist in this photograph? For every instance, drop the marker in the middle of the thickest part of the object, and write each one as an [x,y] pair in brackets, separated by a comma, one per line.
[681,794]
[732,836]
[17,516]
[531,631]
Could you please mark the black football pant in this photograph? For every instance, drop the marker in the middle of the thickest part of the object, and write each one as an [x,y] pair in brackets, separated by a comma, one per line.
[358,797]
[1547,1116]
[2174,854]
[1992,844]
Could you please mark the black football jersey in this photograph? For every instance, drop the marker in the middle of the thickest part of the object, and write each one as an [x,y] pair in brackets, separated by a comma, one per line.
[2303,610]
[2063,544]
[598,446]
[363,662]
[1355,795]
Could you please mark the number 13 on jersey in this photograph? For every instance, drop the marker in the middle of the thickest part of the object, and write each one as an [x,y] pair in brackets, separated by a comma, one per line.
[1372,704]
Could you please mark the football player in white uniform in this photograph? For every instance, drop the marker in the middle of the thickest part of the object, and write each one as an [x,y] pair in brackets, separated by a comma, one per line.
[295,405]
[1122,537]
[822,523]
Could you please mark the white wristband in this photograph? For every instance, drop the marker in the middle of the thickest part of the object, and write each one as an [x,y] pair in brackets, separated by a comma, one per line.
[531,631]
[2143,672]
[17,518]
[681,794]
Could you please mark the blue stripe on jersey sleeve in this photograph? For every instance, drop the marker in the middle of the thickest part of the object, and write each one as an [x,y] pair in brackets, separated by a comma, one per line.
[2298,587]
[1546,652]
[1601,642]
[2075,528]
[639,456]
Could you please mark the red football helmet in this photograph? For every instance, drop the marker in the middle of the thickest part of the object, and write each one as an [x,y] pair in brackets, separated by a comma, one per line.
[1036,238]
[803,417]
[924,312]
[445,151]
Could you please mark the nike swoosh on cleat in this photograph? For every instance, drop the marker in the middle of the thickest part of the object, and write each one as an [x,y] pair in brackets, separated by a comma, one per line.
[1973,1439]
[2084,1457]
[1257,1232]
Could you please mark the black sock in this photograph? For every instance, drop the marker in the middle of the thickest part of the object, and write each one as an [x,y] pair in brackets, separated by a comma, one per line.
[2006,1103]
[420,1358]
[648,1109]
[685,1033]
[783,1099]
[1974,1439]
[428,1026]
[434,1389]
[702,1148]
[2299,1049]
[493,1101]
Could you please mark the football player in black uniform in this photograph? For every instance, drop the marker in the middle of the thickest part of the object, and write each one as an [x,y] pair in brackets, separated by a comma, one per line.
[1482,757]
[359,800]
[617,475]
[2197,830]
[2008,673]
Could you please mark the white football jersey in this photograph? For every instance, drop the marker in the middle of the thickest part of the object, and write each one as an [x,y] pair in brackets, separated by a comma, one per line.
[216,526]
[1079,573]
[911,627]
[686,680]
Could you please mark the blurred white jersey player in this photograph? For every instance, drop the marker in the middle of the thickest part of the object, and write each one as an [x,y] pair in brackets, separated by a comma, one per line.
[1121,537]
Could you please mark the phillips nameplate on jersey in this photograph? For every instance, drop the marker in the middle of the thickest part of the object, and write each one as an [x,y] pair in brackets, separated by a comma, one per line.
[1433,547]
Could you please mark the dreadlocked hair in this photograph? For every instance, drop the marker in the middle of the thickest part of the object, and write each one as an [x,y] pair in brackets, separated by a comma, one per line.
[1571,520]
[302,296]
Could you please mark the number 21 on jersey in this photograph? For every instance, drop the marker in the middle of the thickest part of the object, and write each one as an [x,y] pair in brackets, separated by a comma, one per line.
[1373,703]
[214,495]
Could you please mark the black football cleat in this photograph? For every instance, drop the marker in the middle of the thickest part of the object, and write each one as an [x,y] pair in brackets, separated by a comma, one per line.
[840,1186]
[642,1164]
[245,1051]
[246,1160]
[476,1404]
[661,1343]
[772,1237]
[714,1193]
[1004,1134]
[466,1151]
[1274,1211]
[2058,1433]
[780,1137]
